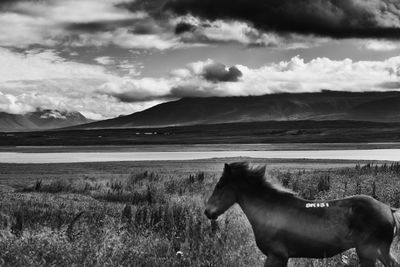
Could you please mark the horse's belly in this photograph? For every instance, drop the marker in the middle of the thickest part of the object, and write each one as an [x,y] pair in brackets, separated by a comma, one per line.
[318,244]
[304,245]
[316,250]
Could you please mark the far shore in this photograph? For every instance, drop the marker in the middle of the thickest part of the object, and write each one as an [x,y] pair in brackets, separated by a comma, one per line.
[201,147]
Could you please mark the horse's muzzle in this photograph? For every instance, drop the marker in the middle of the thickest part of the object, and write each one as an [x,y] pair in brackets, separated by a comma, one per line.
[211,216]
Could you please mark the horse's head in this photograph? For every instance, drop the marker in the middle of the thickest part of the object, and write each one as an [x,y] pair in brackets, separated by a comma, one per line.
[223,196]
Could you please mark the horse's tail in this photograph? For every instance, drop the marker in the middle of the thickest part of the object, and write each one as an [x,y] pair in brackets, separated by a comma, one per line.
[396,216]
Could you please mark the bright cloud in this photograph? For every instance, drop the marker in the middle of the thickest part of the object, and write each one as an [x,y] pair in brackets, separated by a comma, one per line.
[380,45]
[124,38]
[104,60]
[43,79]
[293,76]
[195,30]
[77,23]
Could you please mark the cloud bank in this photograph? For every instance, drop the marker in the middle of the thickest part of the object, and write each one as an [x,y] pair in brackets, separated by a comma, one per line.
[292,76]
[43,79]
[77,23]
[174,24]
[332,18]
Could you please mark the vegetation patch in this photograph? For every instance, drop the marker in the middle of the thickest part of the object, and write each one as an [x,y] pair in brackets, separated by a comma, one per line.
[155,217]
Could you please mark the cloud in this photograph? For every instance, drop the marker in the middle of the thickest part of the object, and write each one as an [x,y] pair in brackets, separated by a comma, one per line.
[208,70]
[11,104]
[390,85]
[218,72]
[43,79]
[194,30]
[43,64]
[125,39]
[292,76]
[130,90]
[105,60]
[182,27]
[129,25]
[380,45]
[81,23]
[331,18]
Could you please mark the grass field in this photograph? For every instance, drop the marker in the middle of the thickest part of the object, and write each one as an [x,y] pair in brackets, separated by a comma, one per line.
[151,213]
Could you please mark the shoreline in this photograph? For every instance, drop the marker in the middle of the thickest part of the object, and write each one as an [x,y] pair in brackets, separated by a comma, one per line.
[202,147]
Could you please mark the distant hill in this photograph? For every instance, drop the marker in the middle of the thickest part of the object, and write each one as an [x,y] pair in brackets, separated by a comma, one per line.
[40,120]
[327,105]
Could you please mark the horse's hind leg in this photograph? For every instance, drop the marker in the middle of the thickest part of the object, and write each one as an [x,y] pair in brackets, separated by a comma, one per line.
[386,258]
[388,261]
[367,262]
[274,261]
[368,256]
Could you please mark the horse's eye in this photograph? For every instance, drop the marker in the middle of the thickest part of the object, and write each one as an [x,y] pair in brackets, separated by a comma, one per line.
[219,186]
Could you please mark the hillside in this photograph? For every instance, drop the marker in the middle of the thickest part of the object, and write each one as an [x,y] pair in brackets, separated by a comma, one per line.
[40,120]
[327,105]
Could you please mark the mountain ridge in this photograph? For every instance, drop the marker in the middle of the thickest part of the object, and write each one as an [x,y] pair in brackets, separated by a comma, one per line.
[41,119]
[326,105]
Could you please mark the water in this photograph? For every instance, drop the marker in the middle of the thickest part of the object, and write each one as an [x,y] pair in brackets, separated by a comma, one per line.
[71,157]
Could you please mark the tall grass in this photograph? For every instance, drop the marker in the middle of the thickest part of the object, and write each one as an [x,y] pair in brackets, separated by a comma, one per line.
[152,219]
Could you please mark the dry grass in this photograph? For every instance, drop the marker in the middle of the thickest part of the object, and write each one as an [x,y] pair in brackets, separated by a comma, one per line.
[154,216]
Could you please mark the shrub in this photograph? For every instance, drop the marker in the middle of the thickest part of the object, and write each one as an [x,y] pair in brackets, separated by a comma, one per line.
[323,183]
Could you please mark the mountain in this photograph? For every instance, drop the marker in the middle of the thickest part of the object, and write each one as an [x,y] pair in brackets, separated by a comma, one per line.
[40,119]
[326,105]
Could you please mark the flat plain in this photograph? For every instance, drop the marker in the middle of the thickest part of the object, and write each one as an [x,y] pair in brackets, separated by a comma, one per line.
[264,132]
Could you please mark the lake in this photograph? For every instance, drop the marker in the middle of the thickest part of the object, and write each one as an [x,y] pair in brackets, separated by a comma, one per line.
[103,156]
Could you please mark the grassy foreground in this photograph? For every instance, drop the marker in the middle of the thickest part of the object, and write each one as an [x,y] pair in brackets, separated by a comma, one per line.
[151,214]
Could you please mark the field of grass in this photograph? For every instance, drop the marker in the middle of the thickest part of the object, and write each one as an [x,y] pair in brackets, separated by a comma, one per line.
[151,213]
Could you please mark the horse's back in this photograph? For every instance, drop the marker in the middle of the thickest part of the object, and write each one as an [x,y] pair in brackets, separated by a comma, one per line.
[368,206]
[370,219]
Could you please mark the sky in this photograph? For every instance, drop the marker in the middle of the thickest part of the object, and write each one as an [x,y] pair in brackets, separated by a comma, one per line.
[106,58]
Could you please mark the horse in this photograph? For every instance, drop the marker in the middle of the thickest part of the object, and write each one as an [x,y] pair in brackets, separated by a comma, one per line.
[287,226]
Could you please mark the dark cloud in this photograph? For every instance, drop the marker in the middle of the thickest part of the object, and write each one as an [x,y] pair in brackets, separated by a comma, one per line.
[89,27]
[175,93]
[154,7]
[183,27]
[333,18]
[217,72]
[145,27]
[5,4]
[390,85]
[133,97]
[134,25]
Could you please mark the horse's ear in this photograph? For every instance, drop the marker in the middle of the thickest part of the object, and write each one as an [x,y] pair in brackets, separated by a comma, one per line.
[227,168]
[262,169]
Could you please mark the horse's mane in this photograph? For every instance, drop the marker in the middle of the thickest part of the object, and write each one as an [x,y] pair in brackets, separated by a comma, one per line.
[255,176]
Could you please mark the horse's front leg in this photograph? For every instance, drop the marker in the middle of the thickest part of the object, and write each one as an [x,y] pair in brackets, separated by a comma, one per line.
[276,261]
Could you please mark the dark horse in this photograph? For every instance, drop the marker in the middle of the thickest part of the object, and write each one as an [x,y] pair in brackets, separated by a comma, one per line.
[286,226]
